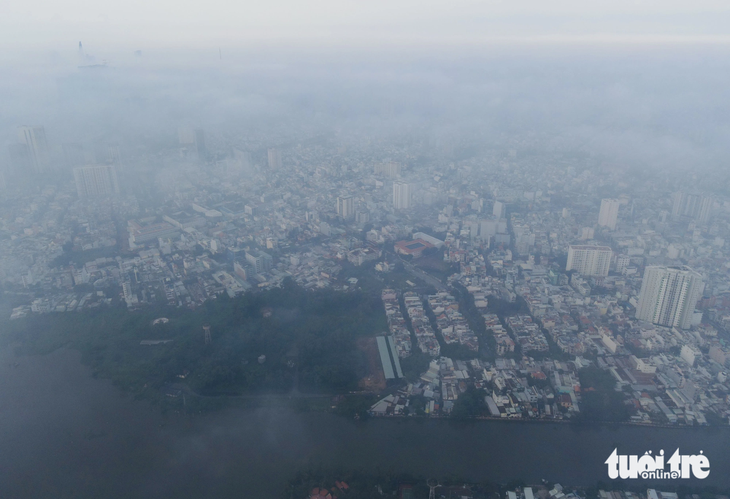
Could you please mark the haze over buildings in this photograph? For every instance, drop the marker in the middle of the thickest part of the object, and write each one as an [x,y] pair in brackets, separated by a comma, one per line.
[506,201]
[34,148]
[274,159]
[96,181]
[695,206]
[488,210]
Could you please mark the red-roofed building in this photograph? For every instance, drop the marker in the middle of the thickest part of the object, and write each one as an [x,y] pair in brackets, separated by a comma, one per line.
[415,247]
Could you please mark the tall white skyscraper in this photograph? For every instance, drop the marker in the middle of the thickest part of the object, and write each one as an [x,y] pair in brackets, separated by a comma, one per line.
[389,169]
[193,139]
[401,195]
[274,159]
[694,206]
[96,181]
[589,260]
[34,140]
[669,295]
[346,207]
[609,213]
[499,209]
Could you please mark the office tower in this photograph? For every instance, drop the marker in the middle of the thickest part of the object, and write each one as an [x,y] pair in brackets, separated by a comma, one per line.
[622,263]
[694,206]
[200,143]
[260,262]
[34,140]
[194,139]
[274,159]
[705,210]
[346,207]
[589,260]
[609,213]
[362,217]
[401,195]
[669,295]
[499,210]
[682,204]
[389,169]
[487,229]
[96,181]
[244,270]
[524,241]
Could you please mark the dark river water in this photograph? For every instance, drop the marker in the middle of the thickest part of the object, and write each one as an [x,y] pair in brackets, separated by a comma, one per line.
[65,434]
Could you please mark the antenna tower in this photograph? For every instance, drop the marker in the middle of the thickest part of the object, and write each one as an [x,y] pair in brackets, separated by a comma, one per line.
[432,484]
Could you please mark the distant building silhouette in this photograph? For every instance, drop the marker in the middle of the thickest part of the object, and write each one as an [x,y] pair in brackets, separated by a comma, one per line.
[34,140]
[608,215]
[695,206]
[274,159]
[194,140]
[346,207]
[401,195]
[96,181]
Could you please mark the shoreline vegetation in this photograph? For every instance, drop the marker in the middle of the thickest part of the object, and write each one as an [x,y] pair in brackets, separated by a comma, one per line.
[282,342]
[281,347]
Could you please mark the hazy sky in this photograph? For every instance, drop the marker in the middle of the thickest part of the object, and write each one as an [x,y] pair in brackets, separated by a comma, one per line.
[341,67]
[145,23]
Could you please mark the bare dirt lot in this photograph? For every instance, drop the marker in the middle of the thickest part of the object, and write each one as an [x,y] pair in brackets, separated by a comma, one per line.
[374,381]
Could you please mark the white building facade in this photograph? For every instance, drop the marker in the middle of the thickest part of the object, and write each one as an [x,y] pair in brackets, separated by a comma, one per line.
[668,296]
[589,260]
[608,215]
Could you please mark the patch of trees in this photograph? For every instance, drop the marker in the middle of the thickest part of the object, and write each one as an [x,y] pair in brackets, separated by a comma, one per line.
[599,399]
[414,365]
[470,403]
[309,342]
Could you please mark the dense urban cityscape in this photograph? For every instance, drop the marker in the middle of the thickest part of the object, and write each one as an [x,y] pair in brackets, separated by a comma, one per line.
[365,250]
[511,273]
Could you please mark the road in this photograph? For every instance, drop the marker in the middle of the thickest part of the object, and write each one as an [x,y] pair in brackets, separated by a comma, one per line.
[424,276]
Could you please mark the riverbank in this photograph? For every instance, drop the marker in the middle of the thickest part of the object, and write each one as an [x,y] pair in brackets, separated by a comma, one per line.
[67,434]
[579,424]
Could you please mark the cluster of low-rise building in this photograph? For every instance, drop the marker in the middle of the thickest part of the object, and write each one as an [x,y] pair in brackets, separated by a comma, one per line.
[328,212]
[396,323]
[512,389]
[425,336]
[527,333]
[439,387]
[452,325]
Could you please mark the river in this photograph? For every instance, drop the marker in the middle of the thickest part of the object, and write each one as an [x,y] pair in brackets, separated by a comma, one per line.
[65,434]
